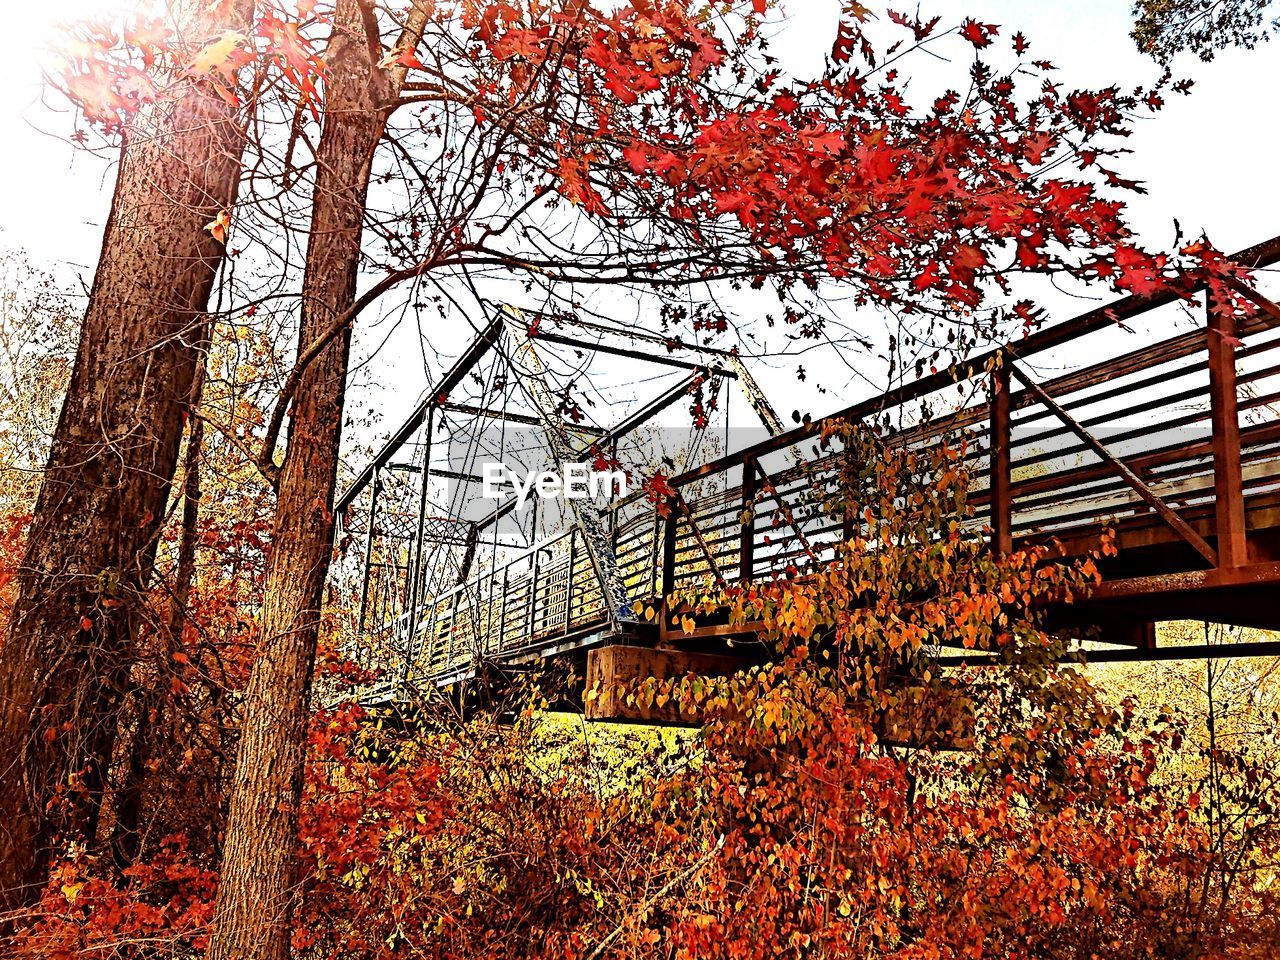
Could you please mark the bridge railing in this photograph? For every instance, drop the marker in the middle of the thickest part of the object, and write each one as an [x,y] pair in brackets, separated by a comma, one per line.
[1173,442]
[545,593]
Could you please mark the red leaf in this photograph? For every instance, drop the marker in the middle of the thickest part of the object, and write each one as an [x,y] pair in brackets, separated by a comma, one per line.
[1228,339]
[928,276]
[979,34]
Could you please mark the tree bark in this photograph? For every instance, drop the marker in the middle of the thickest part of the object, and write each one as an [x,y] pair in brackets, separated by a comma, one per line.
[252,916]
[92,540]
[149,723]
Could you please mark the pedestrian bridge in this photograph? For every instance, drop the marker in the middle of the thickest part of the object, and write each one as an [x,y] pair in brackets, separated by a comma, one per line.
[1148,417]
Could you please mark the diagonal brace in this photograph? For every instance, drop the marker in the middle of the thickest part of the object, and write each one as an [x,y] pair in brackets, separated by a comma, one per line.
[1140,487]
[772,490]
[683,507]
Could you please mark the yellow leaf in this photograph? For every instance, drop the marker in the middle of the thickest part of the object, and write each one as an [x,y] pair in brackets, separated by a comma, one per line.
[219,57]
[71,891]
[219,226]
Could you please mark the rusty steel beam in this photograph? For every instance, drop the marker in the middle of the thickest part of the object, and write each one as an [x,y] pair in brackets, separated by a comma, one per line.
[1253,574]
[489,414]
[1200,651]
[633,335]
[756,398]
[455,475]
[1165,512]
[635,354]
[735,369]
[437,472]
[1258,300]
[1228,480]
[655,407]
[509,417]
[468,553]
[498,512]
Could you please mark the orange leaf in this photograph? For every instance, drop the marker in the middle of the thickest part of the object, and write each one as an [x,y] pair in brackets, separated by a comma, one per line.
[220,226]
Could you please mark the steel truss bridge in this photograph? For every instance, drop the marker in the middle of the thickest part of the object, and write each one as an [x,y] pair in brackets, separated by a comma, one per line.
[1135,416]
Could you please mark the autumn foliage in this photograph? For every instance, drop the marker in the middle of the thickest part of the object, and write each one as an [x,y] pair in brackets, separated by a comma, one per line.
[845,796]
[802,820]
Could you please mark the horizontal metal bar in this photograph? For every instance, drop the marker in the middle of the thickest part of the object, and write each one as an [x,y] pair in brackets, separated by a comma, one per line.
[437,472]
[520,418]
[1200,651]
[1251,575]
[1167,514]
[652,409]
[631,334]
[668,361]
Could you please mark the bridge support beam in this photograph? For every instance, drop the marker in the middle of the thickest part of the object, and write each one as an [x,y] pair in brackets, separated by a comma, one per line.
[1228,486]
[756,398]
[667,584]
[622,684]
[747,541]
[368,548]
[616,675]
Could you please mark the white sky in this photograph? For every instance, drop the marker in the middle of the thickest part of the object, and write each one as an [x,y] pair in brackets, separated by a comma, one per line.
[1207,159]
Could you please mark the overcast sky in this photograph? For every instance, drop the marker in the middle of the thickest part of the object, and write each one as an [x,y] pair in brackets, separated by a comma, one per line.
[1207,159]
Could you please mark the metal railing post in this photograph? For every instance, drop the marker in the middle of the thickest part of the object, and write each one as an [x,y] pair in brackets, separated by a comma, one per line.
[1228,482]
[453,628]
[568,584]
[413,591]
[502,610]
[368,548]
[747,541]
[669,550]
[1001,467]
[532,618]
[430,640]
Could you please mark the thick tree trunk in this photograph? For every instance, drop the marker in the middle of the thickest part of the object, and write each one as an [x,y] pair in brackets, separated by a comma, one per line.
[252,918]
[114,452]
[131,793]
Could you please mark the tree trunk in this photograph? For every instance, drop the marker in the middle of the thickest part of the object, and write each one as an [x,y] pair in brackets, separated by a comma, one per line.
[92,539]
[252,917]
[149,723]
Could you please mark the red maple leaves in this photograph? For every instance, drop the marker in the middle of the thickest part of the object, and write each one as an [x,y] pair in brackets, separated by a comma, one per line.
[922,209]
[979,34]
